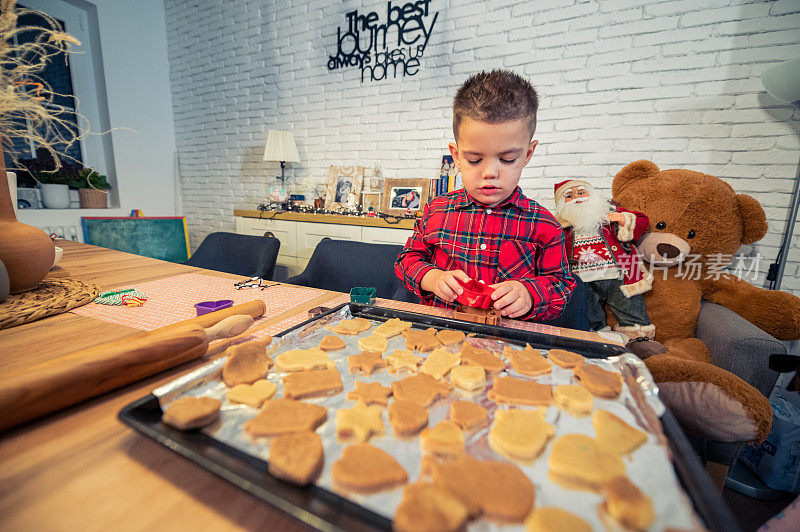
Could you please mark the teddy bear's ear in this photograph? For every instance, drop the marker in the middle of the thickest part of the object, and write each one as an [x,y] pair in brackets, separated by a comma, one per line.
[641,169]
[753,217]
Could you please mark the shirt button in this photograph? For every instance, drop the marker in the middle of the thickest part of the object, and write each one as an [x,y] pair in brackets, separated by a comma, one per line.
[488,211]
[613,248]
[483,246]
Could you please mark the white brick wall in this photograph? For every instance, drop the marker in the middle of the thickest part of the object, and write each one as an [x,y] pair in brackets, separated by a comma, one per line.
[676,82]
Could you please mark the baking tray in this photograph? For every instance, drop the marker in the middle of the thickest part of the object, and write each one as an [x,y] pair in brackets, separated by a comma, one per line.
[326,510]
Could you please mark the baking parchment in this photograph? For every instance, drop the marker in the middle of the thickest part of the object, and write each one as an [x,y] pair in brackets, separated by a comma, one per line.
[649,467]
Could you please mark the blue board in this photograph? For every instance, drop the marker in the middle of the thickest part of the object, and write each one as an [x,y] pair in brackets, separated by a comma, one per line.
[164,238]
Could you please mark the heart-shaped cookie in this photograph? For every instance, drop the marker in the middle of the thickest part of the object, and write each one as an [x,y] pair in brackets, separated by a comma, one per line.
[252,394]
[296,457]
[365,468]
[448,337]
[444,439]
[614,434]
[578,462]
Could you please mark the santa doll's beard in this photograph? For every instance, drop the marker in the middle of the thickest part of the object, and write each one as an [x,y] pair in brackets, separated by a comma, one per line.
[586,217]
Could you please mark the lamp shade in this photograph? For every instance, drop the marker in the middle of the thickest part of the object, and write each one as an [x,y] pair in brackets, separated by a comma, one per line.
[782,81]
[281,147]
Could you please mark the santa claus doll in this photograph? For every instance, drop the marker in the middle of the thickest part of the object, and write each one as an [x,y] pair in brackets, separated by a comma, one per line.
[598,237]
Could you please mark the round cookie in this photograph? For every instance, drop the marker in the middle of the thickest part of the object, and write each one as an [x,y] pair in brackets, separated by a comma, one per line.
[191,412]
[520,434]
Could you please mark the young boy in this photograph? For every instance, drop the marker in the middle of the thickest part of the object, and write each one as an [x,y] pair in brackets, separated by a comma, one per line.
[489,231]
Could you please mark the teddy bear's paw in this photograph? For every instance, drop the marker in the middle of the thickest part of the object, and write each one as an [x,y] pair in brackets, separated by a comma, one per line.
[710,402]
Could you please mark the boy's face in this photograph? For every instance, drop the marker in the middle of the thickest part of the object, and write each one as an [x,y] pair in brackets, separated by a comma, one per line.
[491,157]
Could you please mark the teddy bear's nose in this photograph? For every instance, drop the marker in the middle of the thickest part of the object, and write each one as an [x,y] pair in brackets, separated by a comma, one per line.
[667,251]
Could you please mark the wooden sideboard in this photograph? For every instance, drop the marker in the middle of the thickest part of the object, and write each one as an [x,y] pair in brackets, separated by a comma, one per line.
[300,233]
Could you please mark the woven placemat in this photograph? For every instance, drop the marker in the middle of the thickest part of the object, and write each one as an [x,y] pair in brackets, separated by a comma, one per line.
[52,296]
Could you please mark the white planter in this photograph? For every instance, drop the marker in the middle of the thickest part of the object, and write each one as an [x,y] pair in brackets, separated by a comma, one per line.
[55,196]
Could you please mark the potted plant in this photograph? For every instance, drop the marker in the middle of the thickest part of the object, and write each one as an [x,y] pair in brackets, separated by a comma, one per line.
[92,189]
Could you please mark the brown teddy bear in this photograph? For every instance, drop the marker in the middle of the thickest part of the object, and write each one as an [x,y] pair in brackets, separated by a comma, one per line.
[695,220]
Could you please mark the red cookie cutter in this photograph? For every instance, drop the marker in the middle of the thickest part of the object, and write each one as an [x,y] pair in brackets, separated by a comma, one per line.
[476,294]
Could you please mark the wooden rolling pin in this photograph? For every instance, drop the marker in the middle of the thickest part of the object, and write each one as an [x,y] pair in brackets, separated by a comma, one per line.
[31,392]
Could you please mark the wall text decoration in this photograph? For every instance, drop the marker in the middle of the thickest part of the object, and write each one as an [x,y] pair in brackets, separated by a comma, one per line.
[392,48]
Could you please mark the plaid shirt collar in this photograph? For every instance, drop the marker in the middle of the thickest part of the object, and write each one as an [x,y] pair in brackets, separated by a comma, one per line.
[464,200]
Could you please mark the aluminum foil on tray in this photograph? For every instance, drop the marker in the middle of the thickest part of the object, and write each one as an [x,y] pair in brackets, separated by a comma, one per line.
[649,467]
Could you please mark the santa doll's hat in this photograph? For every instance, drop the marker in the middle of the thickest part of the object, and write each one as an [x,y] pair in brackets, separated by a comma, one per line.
[560,188]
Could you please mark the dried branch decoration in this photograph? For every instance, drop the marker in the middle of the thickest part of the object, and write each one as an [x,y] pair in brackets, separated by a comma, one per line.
[27,106]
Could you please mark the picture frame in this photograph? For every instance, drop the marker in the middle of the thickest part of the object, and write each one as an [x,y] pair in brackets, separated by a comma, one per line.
[343,180]
[371,199]
[401,195]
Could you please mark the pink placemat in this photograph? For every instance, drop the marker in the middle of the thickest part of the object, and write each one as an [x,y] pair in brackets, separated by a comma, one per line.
[172,299]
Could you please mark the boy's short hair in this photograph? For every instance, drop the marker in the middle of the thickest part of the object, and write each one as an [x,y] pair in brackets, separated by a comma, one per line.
[494,97]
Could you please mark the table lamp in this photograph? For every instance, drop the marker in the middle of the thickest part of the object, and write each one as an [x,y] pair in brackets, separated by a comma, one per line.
[281,148]
[782,82]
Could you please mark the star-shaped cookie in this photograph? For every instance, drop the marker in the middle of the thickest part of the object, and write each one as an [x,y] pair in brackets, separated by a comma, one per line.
[359,423]
[403,359]
[369,393]
[366,362]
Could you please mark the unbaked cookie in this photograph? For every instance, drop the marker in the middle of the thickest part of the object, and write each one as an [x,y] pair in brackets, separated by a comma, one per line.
[403,359]
[365,363]
[470,378]
[520,434]
[578,462]
[565,359]
[191,412]
[296,457]
[574,399]
[252,394]
[283,416]
[312,383]
[417,340]
[331,343]
[439,363]
[421,389]
[359,423]
[303,360]
[354,326]
[513,391]
[467,415]
[392,327]
[448,337]
[445,439]
[616,435]
[407,417]
[429,509]
[552,519]
[365,468]
[246,363]
[484,358]
[600,382]
[370,393]
[374,342]
[627,505]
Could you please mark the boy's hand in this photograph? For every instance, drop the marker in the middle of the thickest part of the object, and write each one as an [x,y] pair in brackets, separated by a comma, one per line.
[512,299]
[444,283]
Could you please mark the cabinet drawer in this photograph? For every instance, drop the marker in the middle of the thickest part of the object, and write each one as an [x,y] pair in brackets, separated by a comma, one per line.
[382,235]
[284,230]
[309,235]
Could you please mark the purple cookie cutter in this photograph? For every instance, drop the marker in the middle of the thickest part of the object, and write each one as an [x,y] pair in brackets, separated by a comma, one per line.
[210,306]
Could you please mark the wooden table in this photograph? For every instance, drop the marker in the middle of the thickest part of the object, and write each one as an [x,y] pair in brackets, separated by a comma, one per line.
[81,469]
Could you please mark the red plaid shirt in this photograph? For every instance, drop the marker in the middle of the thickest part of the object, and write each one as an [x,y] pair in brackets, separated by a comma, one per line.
[518,239]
